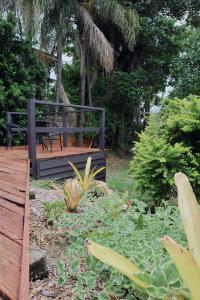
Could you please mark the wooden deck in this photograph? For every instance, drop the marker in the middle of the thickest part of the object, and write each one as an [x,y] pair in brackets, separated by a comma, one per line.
[55,164]
[22,153]
[14,226]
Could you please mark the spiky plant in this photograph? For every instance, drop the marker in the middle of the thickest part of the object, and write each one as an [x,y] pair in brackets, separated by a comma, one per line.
[87,181]
[72,194]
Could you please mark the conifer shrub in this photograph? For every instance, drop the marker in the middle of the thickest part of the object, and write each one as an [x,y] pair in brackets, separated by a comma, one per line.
[170,143]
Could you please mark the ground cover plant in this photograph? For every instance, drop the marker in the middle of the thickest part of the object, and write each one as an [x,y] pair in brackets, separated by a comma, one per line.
[187,261]
[123,225]
[170,143]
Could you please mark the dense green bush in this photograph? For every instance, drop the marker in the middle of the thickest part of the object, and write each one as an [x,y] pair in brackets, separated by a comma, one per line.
[170,143]
[128,231]
[22,75]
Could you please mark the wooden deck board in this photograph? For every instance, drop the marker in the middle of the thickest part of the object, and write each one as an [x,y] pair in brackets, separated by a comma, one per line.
[21,153]
[11,224]
[14,235]
[10,266]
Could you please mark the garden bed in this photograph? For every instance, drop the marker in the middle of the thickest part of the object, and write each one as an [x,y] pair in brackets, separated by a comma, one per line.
[52,240]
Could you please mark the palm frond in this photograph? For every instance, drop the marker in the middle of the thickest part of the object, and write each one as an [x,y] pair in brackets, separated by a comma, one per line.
[125,19]
[30,11]
[95,38]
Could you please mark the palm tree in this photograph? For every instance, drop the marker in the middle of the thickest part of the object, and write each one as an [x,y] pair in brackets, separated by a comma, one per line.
[93,44]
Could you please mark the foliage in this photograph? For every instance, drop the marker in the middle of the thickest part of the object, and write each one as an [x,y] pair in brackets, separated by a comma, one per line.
[130,232]
[168,144]
[117,174]
[185,69]
[54,210]
[71,79]
[72,194]
[87,181]
[43,184]
[22,76]
[125,19]
[181,256]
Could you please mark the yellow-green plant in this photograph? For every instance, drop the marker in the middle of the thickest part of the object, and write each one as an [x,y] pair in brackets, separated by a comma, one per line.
[87,180]
[187,261]
[72,194]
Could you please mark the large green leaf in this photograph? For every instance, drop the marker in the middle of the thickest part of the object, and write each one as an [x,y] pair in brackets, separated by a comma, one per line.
[186,265]
[190,214]
[122,264]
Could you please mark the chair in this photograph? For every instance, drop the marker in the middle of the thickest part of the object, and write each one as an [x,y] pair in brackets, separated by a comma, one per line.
[10,133]
[48,136]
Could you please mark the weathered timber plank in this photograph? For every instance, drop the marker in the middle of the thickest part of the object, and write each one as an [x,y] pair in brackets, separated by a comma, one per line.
[13,179]
[70,174]
[67,168]
[11,171]
[13,185]
[56,162]
[10,265]
[7,188]
[24,278]
[12,206]
[13,198]
[11,224]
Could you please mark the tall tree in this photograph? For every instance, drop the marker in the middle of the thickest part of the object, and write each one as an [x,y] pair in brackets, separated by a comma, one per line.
[87,15]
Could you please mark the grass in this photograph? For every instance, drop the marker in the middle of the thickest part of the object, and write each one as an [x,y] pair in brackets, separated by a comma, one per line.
[117,174]
[42,184]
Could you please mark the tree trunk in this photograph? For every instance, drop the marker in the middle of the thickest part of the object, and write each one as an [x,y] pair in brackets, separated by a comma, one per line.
[82,69]
[147,110]
[83,83]
[59,64]
[122,129]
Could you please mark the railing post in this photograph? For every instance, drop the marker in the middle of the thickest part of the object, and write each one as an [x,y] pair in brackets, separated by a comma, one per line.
[65,134]
[102,130]
[31,130]
[81,121]
[8,130]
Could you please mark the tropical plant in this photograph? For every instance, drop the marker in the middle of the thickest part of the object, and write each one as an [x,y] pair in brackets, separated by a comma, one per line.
[87,181]
[187,261]
[72,194]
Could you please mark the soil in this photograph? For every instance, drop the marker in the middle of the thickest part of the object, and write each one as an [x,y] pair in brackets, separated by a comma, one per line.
[54,243]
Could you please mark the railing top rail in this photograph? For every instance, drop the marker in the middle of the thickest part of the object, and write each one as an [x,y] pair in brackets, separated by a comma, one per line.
[66,105]
[51,113]
[16,113]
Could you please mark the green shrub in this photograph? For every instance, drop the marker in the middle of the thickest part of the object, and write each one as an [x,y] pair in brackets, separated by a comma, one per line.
[54,210]
[130,232]
[22,75]
[170,143]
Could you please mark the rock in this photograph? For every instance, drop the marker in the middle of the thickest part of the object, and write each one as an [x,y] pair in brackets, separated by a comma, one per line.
[37,263]
[31,195]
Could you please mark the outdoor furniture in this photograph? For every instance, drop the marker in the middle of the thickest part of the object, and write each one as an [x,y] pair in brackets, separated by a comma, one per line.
[13,130]
[43,138]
